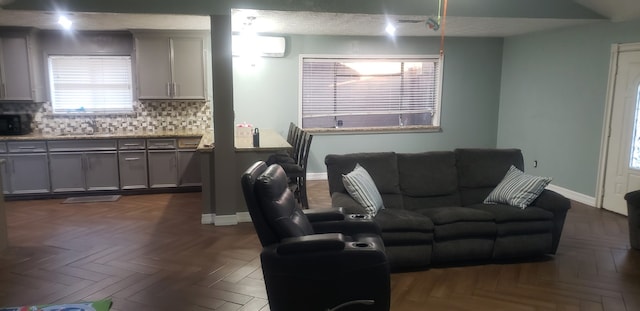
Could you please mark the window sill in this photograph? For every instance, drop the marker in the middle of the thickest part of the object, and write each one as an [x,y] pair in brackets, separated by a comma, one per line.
[375,130]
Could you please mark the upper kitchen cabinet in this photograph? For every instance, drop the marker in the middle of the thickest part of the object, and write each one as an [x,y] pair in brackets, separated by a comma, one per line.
[20,76]
[171,65]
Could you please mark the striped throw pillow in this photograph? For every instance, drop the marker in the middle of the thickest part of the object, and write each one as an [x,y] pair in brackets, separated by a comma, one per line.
[517,189]
[362,188]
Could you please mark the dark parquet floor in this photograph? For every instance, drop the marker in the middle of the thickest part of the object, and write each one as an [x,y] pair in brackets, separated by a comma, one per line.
[150,252]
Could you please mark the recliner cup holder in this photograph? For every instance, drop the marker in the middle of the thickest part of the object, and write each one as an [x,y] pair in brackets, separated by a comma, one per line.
[359,216]
[360,244]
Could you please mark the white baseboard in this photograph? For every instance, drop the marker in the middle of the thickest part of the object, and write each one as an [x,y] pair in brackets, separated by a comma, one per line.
[316,176]
[207,219]
[243,217]
[572,195]
[225,220]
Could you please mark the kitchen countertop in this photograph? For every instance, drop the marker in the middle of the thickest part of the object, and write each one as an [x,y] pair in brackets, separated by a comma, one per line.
[270,140]
[110,135]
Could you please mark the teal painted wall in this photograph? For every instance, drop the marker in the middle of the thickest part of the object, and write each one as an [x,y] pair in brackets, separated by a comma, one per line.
[267,95]
[553,98]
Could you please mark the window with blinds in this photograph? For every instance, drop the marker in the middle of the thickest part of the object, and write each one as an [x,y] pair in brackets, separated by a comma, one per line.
[94,84]
[385,92]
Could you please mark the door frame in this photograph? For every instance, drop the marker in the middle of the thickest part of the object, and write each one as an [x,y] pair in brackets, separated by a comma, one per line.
[616,49]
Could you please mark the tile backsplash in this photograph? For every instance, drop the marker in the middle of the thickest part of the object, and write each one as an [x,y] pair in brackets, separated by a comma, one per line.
[147,116]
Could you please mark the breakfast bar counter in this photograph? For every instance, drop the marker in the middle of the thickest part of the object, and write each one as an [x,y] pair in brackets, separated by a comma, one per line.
[270,141]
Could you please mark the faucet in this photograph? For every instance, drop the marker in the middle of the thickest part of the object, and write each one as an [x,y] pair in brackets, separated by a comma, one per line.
[93,124]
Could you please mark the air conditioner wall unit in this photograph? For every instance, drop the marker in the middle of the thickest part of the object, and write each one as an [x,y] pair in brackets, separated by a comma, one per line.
[266,46]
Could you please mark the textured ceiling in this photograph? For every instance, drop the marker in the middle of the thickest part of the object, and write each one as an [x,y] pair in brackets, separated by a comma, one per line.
[288,22]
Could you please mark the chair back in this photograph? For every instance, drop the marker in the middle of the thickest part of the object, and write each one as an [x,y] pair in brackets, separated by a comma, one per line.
[266,234]
[272,205]
[278,204]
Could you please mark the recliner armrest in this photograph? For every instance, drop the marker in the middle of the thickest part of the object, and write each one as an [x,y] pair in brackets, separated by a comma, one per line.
[324,214]
[312,243]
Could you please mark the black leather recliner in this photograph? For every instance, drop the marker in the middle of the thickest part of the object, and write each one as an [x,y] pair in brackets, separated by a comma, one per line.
[319,260]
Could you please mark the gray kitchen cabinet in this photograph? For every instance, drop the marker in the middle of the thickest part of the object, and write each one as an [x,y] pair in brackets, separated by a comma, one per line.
[171,65]
[26,167]
[132,159]
[188,168]
[26,173]
[163,172]
[163,162]
[188,162]
[20,76]
[86,165]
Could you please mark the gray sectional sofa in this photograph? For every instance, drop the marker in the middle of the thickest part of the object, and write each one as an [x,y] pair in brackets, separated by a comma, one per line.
[433,207]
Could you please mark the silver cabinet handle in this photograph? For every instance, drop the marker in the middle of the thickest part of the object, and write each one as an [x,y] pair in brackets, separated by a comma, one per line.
[131,159]
[169,89]
[27,147]
[137,145]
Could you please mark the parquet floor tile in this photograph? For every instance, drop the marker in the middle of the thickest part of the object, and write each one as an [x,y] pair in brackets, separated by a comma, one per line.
[150,252]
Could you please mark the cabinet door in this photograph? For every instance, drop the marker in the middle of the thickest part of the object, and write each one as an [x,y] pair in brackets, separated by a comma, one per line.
[133,169]
[153,55]
[189,168]
[67,171]
[29,173]
[163,172]
[15,68]
[6,177]
[188,68]
[101,170]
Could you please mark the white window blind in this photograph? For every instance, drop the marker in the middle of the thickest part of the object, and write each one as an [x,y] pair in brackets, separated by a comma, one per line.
[370,92]
[91,84]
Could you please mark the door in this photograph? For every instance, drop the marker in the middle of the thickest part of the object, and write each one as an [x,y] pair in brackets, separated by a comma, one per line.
[101,171]
[163,168]
[16,82]
[29,173]
[67,172]
[133,169]
[189,168]
[188,68]
[622,169]
[154,68]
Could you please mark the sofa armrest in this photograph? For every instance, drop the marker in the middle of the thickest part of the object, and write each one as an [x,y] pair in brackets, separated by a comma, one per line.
[312,243]
[347,203]
[558,205]
[324,214]
[352,225]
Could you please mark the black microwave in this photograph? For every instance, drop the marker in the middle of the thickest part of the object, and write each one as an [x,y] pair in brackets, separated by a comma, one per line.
[15,124]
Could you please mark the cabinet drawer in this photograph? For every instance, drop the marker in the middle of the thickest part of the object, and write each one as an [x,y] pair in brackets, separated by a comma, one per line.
[3,147]
[82,145]
[26,146]
[161,143]
[189,143]
[131,144]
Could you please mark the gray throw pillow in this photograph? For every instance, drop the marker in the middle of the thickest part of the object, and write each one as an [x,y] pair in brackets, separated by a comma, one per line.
[517,189]
[362,188]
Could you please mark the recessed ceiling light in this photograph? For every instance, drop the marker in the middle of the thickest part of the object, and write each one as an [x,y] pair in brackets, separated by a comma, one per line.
[65,22]
[391,30]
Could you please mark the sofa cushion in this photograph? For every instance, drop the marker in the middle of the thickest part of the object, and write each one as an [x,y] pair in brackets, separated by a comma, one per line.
[481,170]
[505,213]
[427,173]
[452,214]
[485,167]
[362,188]
[517,188]
[382,166]
[398,220]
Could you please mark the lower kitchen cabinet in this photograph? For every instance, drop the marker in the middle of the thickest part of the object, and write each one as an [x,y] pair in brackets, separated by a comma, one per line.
[133,169]
[188,168]
[163,168]
[84,171]
[25,173]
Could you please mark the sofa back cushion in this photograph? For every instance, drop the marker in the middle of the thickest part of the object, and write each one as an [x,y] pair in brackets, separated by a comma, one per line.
[428,179]
[382,166]
[481,170]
